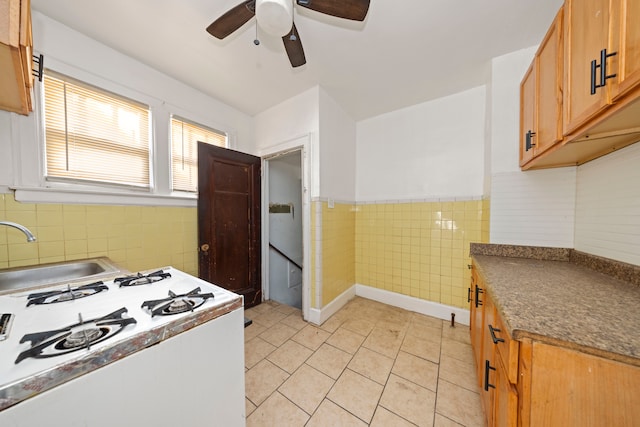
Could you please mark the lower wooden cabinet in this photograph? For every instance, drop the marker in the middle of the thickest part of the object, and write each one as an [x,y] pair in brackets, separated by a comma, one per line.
[527,382]
[499,396]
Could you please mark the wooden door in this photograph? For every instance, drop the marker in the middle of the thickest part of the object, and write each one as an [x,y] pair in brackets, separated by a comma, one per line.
[229,221]
[586,34]
[626,17]
[528,114]
[549,88]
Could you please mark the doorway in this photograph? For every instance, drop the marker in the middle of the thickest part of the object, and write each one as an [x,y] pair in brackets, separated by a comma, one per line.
[284,218]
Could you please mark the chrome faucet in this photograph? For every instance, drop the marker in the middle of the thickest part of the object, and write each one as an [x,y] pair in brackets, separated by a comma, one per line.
[25,230]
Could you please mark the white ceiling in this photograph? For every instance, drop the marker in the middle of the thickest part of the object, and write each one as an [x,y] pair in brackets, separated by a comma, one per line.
[404,53]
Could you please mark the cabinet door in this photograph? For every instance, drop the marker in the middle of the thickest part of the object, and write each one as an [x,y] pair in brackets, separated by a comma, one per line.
[476,297]
[489,362]
[505,401]
[16,61]
[570,388]
[527,114]
[586,34]
[549,88]
[626,18]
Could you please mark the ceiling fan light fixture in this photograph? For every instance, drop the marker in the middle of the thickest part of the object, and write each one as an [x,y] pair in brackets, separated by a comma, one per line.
[275,17]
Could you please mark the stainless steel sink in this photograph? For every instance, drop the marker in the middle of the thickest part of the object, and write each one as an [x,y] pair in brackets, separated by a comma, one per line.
[14,279]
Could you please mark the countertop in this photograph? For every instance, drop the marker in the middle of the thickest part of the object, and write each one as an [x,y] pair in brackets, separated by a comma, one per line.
[558,296]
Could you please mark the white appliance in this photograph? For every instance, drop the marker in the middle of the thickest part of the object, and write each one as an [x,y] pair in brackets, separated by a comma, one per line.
[111,354]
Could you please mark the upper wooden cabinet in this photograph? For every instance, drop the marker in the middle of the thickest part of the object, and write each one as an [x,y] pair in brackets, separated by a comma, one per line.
[587,95]
[541,96]
[626,17]
[586,40]
[16,60]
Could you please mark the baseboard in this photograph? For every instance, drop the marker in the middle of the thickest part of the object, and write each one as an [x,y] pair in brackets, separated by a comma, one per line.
[319,316]
[428,308]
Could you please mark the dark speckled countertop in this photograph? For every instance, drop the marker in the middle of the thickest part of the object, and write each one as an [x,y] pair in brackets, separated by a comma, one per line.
[563,299]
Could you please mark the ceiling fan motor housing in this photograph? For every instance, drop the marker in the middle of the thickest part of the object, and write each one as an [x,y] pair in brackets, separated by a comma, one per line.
[275,16]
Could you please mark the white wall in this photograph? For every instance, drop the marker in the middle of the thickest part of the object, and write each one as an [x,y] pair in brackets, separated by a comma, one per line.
[6,166]
[430,150]
[337,151]
[291,119]
[527,208]
[608,206]
[288,125]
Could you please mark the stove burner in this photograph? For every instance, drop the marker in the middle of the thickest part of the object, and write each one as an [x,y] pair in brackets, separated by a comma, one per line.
[82,338]
[75,337]
[141,279]
[68,294]
[176,304]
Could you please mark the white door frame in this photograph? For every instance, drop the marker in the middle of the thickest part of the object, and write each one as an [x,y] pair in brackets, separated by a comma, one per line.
[302,144]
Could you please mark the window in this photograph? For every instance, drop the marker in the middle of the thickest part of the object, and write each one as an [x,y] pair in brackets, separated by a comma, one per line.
[184,151]
[93,135]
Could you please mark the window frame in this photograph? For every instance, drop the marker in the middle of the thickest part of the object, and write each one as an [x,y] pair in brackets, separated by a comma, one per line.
[28,150]
[171,145]
[148,187]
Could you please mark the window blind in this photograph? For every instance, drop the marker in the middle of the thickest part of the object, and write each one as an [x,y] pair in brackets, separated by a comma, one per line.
[94,135]
[184,148]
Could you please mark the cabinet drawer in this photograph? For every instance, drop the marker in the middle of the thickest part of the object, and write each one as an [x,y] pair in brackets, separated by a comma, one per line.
[507,348]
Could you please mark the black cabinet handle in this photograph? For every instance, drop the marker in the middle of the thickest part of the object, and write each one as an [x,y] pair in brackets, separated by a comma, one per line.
[528,142]
[594,67]
[487,368]
[468,294]
[494,338]
[603,70]
[478,292]
[603,67]
[38,72]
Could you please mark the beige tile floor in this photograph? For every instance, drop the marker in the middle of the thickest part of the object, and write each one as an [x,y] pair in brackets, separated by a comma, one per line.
[369,364]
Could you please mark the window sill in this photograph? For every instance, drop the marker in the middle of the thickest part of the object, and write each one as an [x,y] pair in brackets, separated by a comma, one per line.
[92,197]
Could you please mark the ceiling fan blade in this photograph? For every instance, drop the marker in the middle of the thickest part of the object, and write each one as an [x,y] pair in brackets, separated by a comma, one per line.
[233,19]
[355,10]
[294,49]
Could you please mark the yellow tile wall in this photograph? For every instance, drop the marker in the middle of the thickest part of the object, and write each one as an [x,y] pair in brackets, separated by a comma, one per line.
[332,250]
[135,237]
[419,249]
[315,248]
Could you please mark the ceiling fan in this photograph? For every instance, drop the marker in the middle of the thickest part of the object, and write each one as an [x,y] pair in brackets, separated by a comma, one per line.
[276,18]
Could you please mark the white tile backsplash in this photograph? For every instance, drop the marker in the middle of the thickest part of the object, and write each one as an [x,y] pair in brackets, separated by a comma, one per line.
[608,206]
[533,208]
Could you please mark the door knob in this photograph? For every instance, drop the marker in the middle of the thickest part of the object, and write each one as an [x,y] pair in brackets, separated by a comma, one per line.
[204,248]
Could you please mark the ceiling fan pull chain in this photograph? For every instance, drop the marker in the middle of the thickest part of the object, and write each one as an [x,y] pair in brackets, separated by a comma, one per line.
[256,41]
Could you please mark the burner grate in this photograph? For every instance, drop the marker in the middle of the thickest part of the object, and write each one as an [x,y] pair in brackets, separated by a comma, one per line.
[67,294]
[176,304]
[141,279]
[74,337]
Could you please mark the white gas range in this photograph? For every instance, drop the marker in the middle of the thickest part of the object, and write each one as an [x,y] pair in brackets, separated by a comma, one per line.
[142,345]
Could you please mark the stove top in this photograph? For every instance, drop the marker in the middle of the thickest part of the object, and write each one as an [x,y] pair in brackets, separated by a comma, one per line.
[63,324]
